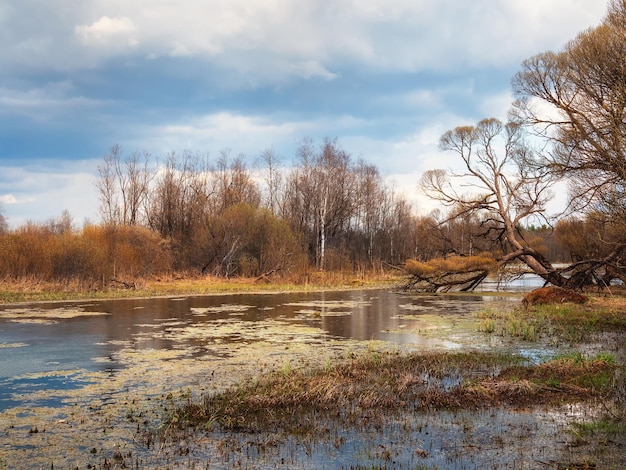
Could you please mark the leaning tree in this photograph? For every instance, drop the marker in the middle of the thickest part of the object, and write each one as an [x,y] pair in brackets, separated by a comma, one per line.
[575,102]
[505,187]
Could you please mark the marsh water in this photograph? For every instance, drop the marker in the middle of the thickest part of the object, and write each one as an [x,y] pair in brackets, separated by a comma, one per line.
[75,375]
[54,347]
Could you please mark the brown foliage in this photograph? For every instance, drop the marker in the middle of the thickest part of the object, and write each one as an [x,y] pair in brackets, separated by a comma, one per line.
[452,264]
[552,295]
[462,272]
[95,254]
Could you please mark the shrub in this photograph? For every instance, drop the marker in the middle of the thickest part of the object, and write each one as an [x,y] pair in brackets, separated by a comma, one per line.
[552,295]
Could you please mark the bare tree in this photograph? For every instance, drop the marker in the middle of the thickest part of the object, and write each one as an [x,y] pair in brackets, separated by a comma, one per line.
[234,182]
[508,187]
[331,188]
[135,186]
[124,186]
[107,187]
[369,205]
[269,163]
[62,224]
[576,99]
[168,201]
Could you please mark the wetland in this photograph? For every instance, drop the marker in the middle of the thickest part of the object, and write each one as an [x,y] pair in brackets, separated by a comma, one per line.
[350,379]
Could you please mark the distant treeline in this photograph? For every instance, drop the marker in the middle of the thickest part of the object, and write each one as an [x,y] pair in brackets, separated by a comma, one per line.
[188,213]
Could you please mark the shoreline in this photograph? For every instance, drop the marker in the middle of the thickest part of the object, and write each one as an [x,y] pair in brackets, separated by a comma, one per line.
[188,287]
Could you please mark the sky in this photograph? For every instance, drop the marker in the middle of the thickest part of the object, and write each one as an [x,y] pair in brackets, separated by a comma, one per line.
[384,77]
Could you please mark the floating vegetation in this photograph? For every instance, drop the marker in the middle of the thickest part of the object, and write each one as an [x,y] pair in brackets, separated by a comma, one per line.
[327,308]
[273,331]
[417,307]
[327,313]
[42,316]
[107,410]
[224,308]
[13,345]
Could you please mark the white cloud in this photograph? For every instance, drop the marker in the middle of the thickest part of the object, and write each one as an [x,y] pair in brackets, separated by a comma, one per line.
[312,68]
[248,134]
[8,199]
[245,35]
[496,105]
[106,30]
[47,190]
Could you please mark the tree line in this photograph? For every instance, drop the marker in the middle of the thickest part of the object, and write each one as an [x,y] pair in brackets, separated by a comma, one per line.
[193,215]
[188,212]
[222,216]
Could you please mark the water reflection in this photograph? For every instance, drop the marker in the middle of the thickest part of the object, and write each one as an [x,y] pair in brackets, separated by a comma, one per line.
[40,343]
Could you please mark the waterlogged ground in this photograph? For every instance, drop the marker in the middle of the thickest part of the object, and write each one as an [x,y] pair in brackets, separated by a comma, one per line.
[89,385]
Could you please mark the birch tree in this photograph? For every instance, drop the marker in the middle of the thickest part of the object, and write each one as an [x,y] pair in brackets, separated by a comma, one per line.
[124,186]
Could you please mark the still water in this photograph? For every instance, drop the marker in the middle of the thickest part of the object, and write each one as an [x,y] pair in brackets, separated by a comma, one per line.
[59,346]
[85,384]
[38,342]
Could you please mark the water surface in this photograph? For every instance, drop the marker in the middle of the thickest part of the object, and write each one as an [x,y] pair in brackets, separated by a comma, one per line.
[51,346]
[80,381]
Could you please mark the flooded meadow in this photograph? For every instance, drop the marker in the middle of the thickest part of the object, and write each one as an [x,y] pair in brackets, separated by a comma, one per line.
[96,384]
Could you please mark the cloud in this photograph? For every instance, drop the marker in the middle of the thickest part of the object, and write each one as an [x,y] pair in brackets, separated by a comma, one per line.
[496,105]
[8,199]
[55,97]
[106,30]
[221,130]
[244,35]
[386,78]
[312,68]
[47,189]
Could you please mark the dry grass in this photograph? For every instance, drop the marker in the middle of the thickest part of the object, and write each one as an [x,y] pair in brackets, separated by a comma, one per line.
[364,390]
[564,321]
[575,323]
[452,264]
[32,290]
[553,295]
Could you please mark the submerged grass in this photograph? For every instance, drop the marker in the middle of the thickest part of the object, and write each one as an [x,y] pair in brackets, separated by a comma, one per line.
[364,390]
[608,428]
[569,322]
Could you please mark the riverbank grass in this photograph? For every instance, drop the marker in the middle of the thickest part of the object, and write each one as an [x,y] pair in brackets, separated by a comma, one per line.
[365,390]
[32,290]
[568,322]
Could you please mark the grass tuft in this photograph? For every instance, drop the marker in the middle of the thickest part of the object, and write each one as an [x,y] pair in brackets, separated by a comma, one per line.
[568,322]
[363,390]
